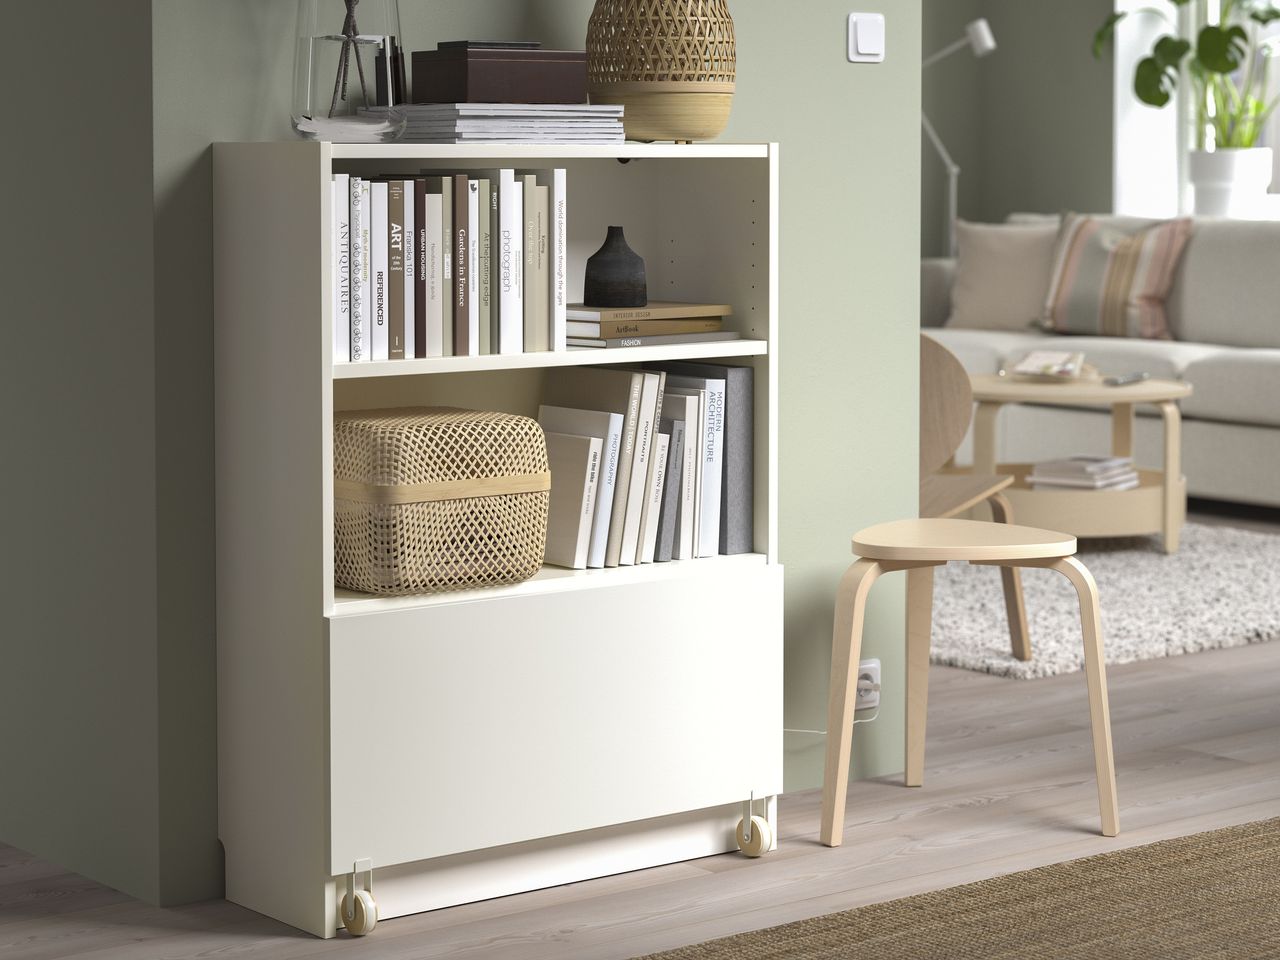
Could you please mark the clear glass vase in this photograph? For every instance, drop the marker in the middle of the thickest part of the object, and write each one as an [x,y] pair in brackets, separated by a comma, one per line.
[348,78]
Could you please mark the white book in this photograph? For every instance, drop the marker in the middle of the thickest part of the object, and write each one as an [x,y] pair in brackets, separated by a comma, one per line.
[712,457]
[608,427]
[473,266]
[681,403]
[575,480]
[638,481]
[556,182]
[359,269]
[340,189]
[434,263]
[410,273]
[510,264]
[650,545]
[378,268]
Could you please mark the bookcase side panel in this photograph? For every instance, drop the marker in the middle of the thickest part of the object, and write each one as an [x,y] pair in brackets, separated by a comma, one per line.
[272,409]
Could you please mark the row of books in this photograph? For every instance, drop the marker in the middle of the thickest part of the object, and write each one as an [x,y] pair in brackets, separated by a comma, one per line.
[648,464]
[1084,473]
[459,264]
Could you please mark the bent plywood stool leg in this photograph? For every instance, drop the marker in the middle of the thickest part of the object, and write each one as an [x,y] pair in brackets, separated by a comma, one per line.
[846,644]
[1015,608]
[1095,671]
[919,630]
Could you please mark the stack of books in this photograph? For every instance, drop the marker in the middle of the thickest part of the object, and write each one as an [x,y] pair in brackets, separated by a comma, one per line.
[1084,473]
[648,464]
[511,122]
[1049,366]
[658,322]
[456,264]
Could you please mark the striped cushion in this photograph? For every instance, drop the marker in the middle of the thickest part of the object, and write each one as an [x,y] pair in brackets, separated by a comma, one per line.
[1111,276]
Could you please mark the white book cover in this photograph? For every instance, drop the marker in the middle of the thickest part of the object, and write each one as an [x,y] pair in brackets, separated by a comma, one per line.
[510,264]
[650,545]
[434,262]
[575,480]
[682,403]
[378,269]
[473,266]
[556,182]
[410,273]
[359,269]
[340,189]
[712,457]
[638,481]
[608,427]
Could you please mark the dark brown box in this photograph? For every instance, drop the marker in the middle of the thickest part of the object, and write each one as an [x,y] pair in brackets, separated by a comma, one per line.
[493,75]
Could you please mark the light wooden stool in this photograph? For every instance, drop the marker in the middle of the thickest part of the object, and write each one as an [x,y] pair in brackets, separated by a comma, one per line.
[917,546]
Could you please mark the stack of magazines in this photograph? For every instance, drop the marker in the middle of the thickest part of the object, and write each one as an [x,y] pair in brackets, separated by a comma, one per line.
[1084,473]
[512,122]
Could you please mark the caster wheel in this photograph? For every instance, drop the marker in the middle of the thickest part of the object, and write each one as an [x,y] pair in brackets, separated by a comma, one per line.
[359,913]
[761,837]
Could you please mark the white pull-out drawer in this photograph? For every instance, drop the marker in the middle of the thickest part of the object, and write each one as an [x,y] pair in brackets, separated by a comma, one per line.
[462,726]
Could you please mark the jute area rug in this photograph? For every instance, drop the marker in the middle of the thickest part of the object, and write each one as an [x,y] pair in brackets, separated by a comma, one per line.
[1221,589]
[1213,896]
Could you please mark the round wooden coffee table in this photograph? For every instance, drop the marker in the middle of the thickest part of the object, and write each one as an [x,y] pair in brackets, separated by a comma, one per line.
[1157,505]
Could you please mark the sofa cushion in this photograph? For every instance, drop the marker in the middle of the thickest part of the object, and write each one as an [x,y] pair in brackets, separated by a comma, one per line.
[1002,275]
[984,351]
[1227,288]
[1235,386]
[1112,279]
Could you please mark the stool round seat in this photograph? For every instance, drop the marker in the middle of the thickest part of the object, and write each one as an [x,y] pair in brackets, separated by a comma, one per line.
[943,540]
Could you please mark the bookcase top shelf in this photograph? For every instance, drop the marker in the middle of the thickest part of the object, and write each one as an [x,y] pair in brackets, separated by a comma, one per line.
[534,151]
[585,356]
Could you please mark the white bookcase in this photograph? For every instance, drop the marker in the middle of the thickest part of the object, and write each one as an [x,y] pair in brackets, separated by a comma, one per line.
[476,744]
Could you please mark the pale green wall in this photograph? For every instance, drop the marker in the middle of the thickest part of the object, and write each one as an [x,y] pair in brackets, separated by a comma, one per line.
[1031,124]
[849,333]
[78,709]
[109,644]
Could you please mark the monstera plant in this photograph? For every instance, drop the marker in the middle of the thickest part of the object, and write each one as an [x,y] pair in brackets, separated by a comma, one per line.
[1227,64]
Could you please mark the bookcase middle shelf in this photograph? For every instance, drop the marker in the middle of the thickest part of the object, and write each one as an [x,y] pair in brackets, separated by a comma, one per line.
[553,580]
[531,361]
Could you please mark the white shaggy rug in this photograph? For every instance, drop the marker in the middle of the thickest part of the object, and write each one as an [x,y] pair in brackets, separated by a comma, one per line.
[1221,589]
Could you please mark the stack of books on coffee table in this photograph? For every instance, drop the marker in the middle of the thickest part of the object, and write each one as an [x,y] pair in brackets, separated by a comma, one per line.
[1084,473]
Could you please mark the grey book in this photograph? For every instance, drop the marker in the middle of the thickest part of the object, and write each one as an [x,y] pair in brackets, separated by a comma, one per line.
[616,391]
[575,478]
[737,498]
[669,515]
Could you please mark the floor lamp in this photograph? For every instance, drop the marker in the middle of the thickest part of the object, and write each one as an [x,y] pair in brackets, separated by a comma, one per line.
[979,38]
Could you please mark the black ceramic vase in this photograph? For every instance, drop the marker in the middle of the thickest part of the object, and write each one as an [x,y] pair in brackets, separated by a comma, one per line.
[615,275]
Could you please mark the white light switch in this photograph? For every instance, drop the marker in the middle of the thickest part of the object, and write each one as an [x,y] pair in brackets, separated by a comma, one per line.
[866,38]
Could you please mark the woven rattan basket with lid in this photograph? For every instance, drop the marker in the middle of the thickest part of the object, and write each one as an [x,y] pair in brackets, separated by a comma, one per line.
[434,499]
[671,63]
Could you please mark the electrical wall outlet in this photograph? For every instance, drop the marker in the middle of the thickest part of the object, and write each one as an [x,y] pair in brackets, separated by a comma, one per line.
[868,685]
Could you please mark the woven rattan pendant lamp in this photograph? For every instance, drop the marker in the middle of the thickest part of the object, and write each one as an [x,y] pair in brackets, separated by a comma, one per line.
[670,63]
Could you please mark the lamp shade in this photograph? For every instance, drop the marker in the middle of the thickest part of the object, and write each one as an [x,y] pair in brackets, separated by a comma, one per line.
[981,39]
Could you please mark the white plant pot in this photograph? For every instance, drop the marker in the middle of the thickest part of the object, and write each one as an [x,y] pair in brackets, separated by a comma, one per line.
[1230,182]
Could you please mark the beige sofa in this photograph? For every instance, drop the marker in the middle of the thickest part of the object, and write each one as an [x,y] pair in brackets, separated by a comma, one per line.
[1224,311]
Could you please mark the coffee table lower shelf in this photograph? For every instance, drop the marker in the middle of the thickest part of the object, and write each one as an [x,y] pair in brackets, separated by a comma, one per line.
[1097,513]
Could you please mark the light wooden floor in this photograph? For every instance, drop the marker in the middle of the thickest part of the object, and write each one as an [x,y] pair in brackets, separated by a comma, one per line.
[1008,786]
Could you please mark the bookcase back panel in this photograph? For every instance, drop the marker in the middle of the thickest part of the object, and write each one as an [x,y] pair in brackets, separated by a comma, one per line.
[521,391]
[470,731]
[701,225]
